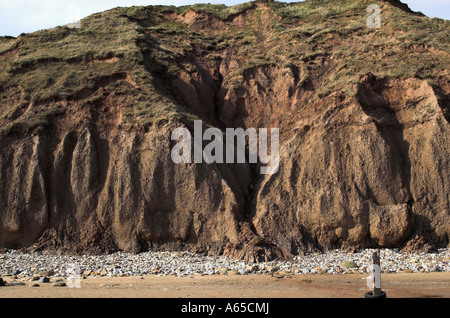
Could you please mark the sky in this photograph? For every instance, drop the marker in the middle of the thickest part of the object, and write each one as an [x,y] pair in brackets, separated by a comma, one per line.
[26,16]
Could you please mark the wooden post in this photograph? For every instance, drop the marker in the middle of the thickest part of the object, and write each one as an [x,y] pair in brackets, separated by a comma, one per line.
[376,273]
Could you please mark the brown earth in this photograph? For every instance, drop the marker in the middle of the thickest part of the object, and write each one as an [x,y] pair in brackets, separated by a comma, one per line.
[369,169]
[430,285]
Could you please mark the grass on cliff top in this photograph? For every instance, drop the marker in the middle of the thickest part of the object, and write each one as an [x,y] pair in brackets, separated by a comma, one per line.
[67,56]
[67,63]
[221,11]
[63,62]
[406,45]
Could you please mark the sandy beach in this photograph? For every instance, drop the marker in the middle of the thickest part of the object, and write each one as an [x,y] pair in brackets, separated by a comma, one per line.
[414,285]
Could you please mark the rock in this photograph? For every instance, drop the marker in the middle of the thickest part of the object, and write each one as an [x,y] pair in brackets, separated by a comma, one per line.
[59,284]
[350,249]
[103,273]
[2,282]
[223,269]
[272,268]
[244,271]
[44,280]
[283,273]
[408,271]
[17,284]
[349,264]
[390,225]
[253,268]
[35,285]
[418,244]
[233,272]
[35,278]
[46,273]
[87,272]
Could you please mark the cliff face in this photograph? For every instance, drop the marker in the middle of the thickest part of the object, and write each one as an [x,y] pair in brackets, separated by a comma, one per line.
[366,174]
[87,116]
[84,193]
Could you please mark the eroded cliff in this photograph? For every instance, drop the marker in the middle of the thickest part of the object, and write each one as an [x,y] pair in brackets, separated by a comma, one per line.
[87,116]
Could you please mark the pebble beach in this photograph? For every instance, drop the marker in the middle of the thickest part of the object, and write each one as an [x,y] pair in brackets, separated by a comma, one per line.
[184,264]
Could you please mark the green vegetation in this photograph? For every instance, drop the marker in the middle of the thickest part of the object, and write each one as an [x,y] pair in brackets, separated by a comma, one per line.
[221,11]
[136,53]
[349,264]
[316,11]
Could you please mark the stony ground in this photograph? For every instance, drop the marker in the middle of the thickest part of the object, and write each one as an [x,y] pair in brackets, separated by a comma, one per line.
[183,274]
[184,264]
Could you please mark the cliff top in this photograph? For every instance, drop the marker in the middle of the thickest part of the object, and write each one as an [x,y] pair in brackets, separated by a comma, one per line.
[137,52]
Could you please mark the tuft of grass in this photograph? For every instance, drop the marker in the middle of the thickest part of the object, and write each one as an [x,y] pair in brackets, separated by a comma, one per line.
[349,264]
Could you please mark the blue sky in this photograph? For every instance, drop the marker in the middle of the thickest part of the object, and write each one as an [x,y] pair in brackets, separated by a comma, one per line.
[24,16]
